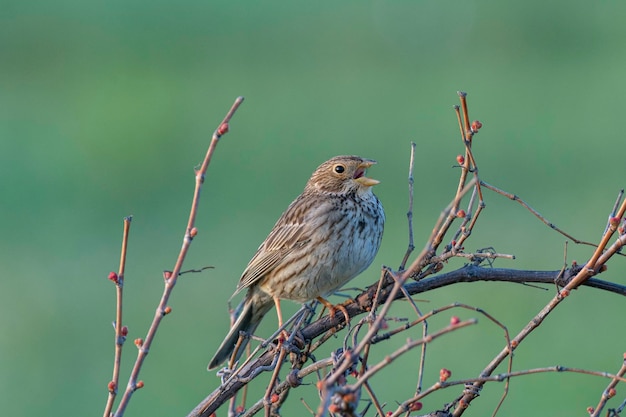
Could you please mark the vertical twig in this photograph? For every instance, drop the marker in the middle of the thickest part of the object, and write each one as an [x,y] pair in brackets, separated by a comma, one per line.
[468,131]
[620,195]
[170,282]
[409,213]
[119,337]
[282,353]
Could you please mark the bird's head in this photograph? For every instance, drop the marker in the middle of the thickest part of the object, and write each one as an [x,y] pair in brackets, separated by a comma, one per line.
[342,174]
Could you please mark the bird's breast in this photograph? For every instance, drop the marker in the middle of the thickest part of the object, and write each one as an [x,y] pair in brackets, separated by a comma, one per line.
[343,237]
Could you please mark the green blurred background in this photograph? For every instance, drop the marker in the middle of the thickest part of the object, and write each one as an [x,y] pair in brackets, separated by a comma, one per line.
[106,107]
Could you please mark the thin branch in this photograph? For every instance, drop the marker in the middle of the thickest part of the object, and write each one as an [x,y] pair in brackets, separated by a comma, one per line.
[293,380]
[609,391]
[613,213]
[119,337]
[370,392]
[405,348]
[499,378]
[583,275]
[409,214]
[535,213]
[170,282]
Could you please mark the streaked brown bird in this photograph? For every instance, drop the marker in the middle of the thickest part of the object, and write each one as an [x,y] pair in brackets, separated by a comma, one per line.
[327,236]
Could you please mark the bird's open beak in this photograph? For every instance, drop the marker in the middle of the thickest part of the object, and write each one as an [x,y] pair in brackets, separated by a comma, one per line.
[359,174]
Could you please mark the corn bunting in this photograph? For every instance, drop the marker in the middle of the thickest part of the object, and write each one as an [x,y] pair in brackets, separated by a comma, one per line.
[327,236]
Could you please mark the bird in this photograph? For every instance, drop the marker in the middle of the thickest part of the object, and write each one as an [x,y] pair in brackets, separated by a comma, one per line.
[328,235]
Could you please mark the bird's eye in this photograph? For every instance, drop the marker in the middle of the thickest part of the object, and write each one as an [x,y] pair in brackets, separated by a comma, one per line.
[339,169]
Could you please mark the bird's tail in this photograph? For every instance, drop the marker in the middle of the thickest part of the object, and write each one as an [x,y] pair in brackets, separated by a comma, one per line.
[248,315]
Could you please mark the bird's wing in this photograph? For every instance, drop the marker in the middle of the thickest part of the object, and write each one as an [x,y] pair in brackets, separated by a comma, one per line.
[283,239]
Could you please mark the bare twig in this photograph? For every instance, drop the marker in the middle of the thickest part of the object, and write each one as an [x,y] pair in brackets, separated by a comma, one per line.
[499,378]
[119,337]
[409,214]
[535,213]
[609,391]
[406,347]
[620,195]
[293,380]
[170,282]
[583,275]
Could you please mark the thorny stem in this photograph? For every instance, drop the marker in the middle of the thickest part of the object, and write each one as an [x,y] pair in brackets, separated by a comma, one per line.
[171,282]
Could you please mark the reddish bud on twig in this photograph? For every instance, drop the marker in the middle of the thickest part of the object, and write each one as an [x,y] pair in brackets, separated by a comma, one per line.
[460,159]
[564,293]
[444,374]
[625,356]
[113,277]
[167,275]
[274,398]
[139,385]
[124,331]
[167,310]
[513,344]
[476,125]
[222,129]
[139,342]
[193,232]
[389,413]
[460,214]
[574,264]
[350,397]
[620,230]
[590,410]
[603,268]
[611,393]
[415,406]
[454,320]
[238,410]
[112,386]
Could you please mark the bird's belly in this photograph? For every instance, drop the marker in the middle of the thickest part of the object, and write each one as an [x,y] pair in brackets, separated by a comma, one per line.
[319,274]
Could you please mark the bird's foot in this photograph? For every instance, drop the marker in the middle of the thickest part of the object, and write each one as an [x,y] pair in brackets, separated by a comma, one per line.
[332,309]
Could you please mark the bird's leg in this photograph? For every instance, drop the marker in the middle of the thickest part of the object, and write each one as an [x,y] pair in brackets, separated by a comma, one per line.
[278,311]
[280,317]
[333,308]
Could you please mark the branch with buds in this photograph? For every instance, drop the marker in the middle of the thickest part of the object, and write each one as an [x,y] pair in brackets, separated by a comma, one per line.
[291,359]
